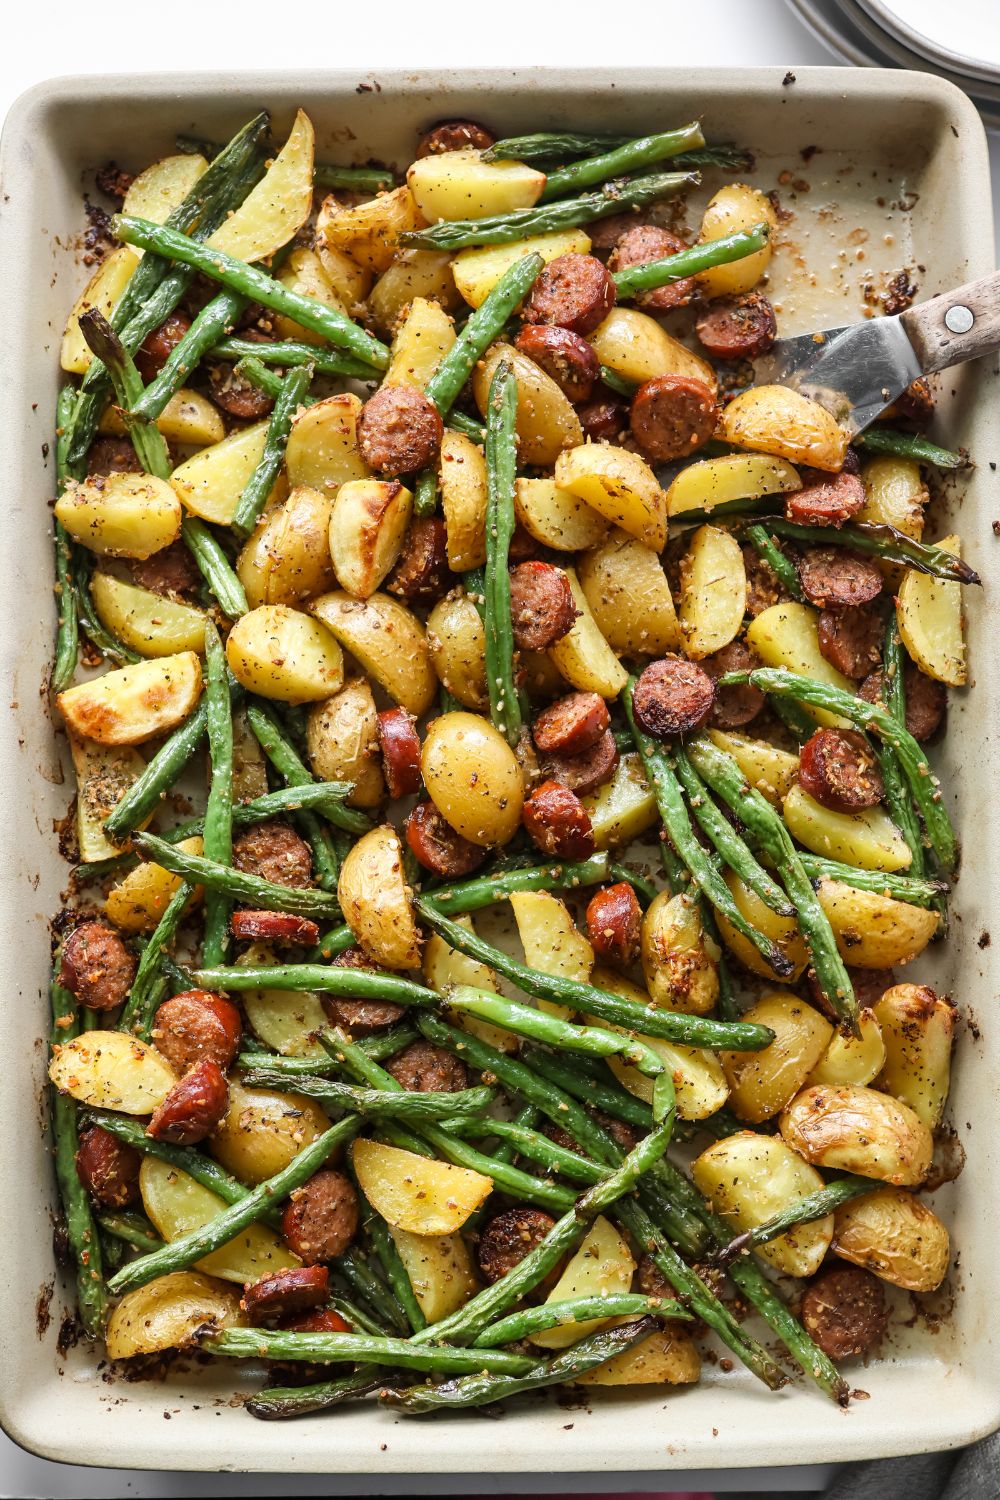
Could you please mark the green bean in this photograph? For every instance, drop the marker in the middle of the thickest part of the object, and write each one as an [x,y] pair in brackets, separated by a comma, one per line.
[354,1314]
[670,802]
[531,1144]
[910,445]
[626,388]
[277,1402]
[159,776]
[218,841]
[446,383]
[408,1105]
[693,1031]
[132,1229]
[109,646]
[257,374]
[216,318]
[807,1210]
[188,1248]
[393,1268]
[471,427]
[603,1094]
[568,213]
[506,704]
[214,567]
[338,1348]
[355,179]
[236,884]
[483,1388]
[68,634]
[387,1044]
[887,543]
[149,987]
[721,833]
[550,145]
[531,1320]
[783,569]
[425,494]
[326,797]
[721,252]
[81,1231]
[285,759]
[644,151]
[645,889]
[765,828]
[918,891]
[254,497]
[485,890]
[289,352]
[356,1270]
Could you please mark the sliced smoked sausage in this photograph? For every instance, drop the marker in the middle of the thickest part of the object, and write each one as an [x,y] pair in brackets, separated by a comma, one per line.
[399,430]
[96,966]
[838,769]
[157,346]
[112,455]
[274,927]
[400,745]
[851,639]
[614,923]
[572,724]
[672,697]
[844,1311]
[422,575]
[454,135]
[321,1218]
[320,1320]
[296,1289]
[171,571]
[573,291]
[737,705]
[275,852]
[671,416]
[197,1024]
[359,1017]
[235,395]
[738,327]
[423,1068]
[108,1168]
[558,822]
[837,578]
[193,1107]
[586,771]
[603,419]
[564,355]
[508,1238]
[829,500]
[926,699]
[637,246]
[437,846]
[541,605]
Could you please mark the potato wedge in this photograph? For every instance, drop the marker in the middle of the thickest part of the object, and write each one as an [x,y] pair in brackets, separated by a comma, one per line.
[775,419]
[679,959]
[456,638]
[286,558]
[102,291]
[188,419]
[627,590]
[868,839]
[368,526]
[166,1314]
[473,778]
[322,449]
[786,635]
[263,1130]
[440,1271]
[875,931]
[417,1193]
[177,1204]
[422,340]
[770,770]
[460,185]
[137,901]
[637,348]
[620,486]
[918,1030]
[388,643]
[445,967]
[726,480]
[162,187]
[377,902]
[603,1264]
[103,775]
[121,515]
[414,273]
[851,1059]
[669,1356]
[583,656]
[110,1070]
[546,422]
[762,1083]
[556,518]
[304,273]
[149,623]
[285,1019]
[342,742]
[748,1178]
[276,209]
[736,207]
[478,269]
[351,282]
[895,495]
[784,931]
[135,703]
[699,1082]
[551,941]
[368,231]
[894,1234]
[713,591]
[462,477]
[859,1130]
[282,653]
[210,483]
[623,807]
[930,621]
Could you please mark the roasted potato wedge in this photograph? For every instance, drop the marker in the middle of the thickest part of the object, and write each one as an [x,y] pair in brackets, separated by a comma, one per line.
[387,641]
[775,419]
[149,623]
[286,558]
[462,477]
[440,1270]
[733,208]
[713,591]
[894,1234]
[132,704]
[276,209]
[762,1083]
[603,1264]
[478,270]
[783,931]
[875,931]
[723,481]
[786,635]
[620,486]
[895,495]
[111,1070]
[263,1130]
[282,653]
[551,941]
[322,449]
[918,1030]
[929,611]
[473,778]
[285,1019]
[748,1178]
[177,1204]
[121,515]
[699,1082]
[668,1357]
[416,1193]
[413,274]
[771,770]
[583,656]
[210,483]
[368,231]
[679,959]
[137,901]
[859,1130]
[546,422]
[637,348]
[868,839]
[557,518]
[422,340]
[168,1312]
[852,1059]
[445,968]
[460,185]
[102,291]
[304,274]
[368,526]
[104,774]
[188,418]
[377,901]
[623,807]
[456,638]
[342,742]
[626,588]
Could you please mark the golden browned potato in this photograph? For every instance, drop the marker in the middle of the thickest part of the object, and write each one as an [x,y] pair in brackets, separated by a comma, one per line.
[177,1205]
[149,623]
[849,1058]
[668,1357]
[263,1130]
[388,643]
[868,839]
[282,653]
[351,281]
[775,419]
[473,778]
[462,477]
[104,774]
[546,422]
[102,291]
[168,1312]
[322,449]
[787,635]
[734,208]
[722,481]
[761,1083]
[368,526]
[623,807]
[132,704]
[342,742]
[556,518]
[456,638]
[137,901]
[894,1234]
[679,959]
[440,1270]
[748,1178]
[771,770]
[304,274]
[111,1070]
[417,1193]
[286,559]
[460,185]
[929,611]
[875,931]
[276,209]
[368,231]
[121,515]
[918,1029]
[636,347]
[601,1266]
[551,941]
[377,902]
[478,269]
[859,1130]
[422,340]
[188,418]
[895,495]
[713,591]
[699,1082]
[414,273]
[626,588]
[583,656]
[783,931]
[620,486]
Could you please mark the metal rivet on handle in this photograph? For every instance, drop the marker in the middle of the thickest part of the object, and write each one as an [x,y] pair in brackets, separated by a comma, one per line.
[959,319]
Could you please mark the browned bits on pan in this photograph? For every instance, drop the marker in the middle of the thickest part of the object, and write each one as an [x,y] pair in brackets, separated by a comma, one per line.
[914,408]
[275,1296]
[672,696]
[568,358]
[194,1106]
[638,245]
[585,771]
[197,1024]
[738,327]
[926,699]
[851,639]
[837,578]
[234,394]
[400,746]
[399,430]
[541,605]
[509,1237]
[844,1311]
[423,1068]
[558,822]
[275,852]
[614,921]
[437,846]
[837,767]
[321,1218]
[829,500]
[454,135]
[112,455]
[171,572]
[113,181]
[281,927]
[422,575]
[96,966]
[108,1168]
[604,419]
[160,344]
[763,587]
[737,705]
[571,725]
[652,1281]
[573,291]
[671,416]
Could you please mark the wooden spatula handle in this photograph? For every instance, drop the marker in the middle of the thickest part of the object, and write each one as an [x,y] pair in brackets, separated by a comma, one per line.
[957,326]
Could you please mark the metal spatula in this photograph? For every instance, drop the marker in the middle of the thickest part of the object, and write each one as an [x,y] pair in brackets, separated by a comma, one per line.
[856,372]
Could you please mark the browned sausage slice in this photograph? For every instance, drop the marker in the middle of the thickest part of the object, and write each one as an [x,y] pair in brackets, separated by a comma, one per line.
[235,395]
[399,430]
[422,575]
[573,291]
[672,697]
[508,1238]
[734,706]
[571,725]
[160,344]
[108,1168]
[400,745]
[96,966]
[423,1068]
[321,1219]
[274,927]
[671,416]
[586,771]
[558,822]
[844,1311]
[837,578]
[112,455]
[194,1106]
[322,1320]
[541,605]
[438,847]
[829,500]
[851,639]
[837,768]
[614,921]
[564,355]
[869,986]
[359,1017]
[738,327]
[454,135]
[638,245]
[914,408]
[171,571]
[275,852]
[197,1024]
[604,419]
[604,234]
[295,1289]
[926,699]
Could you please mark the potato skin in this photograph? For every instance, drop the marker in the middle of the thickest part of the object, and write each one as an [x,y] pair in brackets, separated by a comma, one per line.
[134,703]
[775,419]
[473,778]
[859,1130]
[342,742]
[387,640]
[377,902]
[456,637]
[762,1083]
[282,653]
[679,968]
[918,1029]
[894,1234]
[287,558]
[748,1177]
[263,1130]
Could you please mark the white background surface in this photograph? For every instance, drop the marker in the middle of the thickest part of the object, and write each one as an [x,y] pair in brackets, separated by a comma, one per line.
[72,38]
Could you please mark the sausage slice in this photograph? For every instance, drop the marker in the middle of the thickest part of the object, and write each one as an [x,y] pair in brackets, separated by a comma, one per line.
[926,699]
[637,246]
[586,771]
[614,922]
[197,1024]
[321,1218]
[170,571]
[437,846]
[558,822]
[422,575]
[603,419]
[296,1289]
[275,852]
[541,605]
[454,135]
[399,430]
[571,725]
[320,1320]
[400,745]
[837,578]
[573,291]
[738,705]
[671,416]
[359,1017]
[672,697]
[235,395]
[112,455]
[274,927]
[844,1311]
[508,1238]
[565,356]
[96,966]
[837,767]
[423,1068]
[851,639]
[157,347]
[193,1107]
[108,1168]
[738,327]
[829,500]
